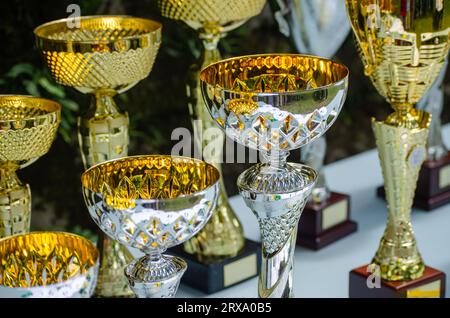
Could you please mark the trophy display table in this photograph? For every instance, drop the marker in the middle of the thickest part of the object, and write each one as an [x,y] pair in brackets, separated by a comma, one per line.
[325,273]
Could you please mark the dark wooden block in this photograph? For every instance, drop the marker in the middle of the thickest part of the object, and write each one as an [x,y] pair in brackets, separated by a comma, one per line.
[430,285]
[217,274]
[325,223]
[433,185]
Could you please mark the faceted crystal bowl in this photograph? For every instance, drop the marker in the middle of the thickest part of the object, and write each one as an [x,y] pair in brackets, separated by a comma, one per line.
[206,13]
[28,126]
[47,264]
[151,202]
[274,101]
[105,52]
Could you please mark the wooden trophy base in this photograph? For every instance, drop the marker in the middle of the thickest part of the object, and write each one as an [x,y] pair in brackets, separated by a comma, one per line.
[324,223]
[433,185]
[218,274]
[430,285]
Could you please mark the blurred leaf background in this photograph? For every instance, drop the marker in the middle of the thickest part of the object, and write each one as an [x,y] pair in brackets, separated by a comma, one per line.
[157,104]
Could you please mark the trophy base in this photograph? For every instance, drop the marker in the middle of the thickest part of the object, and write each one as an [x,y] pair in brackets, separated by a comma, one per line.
[215,275]
[324,223]
[430,285]
[433,185]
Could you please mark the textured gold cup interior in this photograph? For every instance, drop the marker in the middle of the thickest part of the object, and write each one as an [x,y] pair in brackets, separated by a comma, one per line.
[152,177]
[44,258]
[104,52]
[403,45]
[28,126]
[201,13]
[273,73]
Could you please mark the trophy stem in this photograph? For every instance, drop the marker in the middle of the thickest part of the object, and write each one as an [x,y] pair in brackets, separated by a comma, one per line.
[223,235]
[155,275]
[15,202]
[401,151]
[103,130]
[277,192]
[103,135]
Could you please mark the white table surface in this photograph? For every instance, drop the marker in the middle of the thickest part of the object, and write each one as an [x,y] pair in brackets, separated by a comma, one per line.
[324,273]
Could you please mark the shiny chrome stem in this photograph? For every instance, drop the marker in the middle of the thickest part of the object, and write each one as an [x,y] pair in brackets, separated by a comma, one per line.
[155,275]
[276,277]
[276,192]
[433,102]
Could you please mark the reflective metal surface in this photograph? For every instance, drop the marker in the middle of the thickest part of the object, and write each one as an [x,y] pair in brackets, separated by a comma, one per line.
[47,264]
[403,45]
[223,235]
[106,56]
[275,103]
[28,126]
[152,203]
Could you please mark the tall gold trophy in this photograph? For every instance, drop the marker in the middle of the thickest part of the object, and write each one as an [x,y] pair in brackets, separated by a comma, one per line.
[221,243]
[28,126]
[403,45]
[103,56]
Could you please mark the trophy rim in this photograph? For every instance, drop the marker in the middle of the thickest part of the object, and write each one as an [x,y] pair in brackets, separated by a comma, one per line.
[85,176]
[54,108]
[94,255]
[182,18]
[345,76]
[47,44]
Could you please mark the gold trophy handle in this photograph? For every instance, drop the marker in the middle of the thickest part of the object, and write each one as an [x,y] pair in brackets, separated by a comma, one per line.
[103,135]
[15,203]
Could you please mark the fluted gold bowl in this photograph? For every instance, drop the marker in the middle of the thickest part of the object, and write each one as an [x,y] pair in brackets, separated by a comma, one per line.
[47,264]
[113,52]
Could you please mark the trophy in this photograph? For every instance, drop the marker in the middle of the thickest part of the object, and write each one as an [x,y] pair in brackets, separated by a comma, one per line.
[28,126]
[152,203]
[275,103]
[318,27]
[47,265]
[103,56]
[433,185]
[403,45]
[219,251]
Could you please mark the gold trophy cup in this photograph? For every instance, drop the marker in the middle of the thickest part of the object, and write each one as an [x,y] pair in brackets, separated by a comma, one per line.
[104,56]
[222,238]
[47,265]
[28,126]
[403,45]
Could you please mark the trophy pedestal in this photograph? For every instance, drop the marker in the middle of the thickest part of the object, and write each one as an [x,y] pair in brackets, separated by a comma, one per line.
[363,285]
[324,223]
[215,275]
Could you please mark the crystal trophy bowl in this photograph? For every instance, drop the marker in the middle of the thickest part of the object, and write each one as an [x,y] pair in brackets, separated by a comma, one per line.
[152,203]
[47,265]
[28,126]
